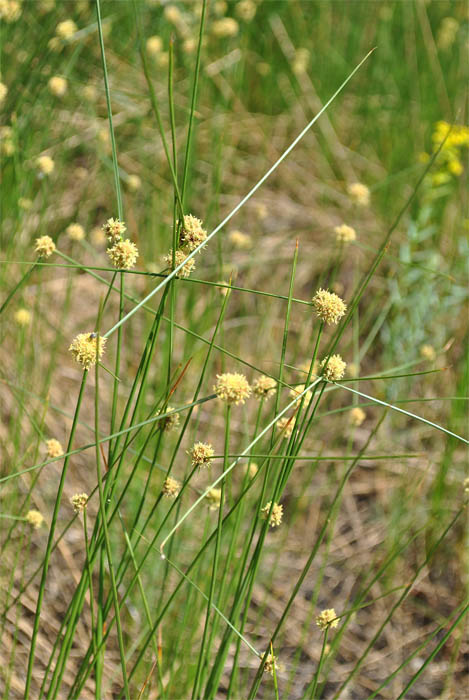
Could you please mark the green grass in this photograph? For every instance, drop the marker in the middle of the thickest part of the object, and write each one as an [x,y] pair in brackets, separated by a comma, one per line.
[263,132]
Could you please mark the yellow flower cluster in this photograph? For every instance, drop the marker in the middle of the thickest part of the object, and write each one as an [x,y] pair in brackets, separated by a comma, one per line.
[123,253]
[192,232]
[328,306]
[201,454]
[213,499]
[179,258]
[171,487]
[85,347]
[45,246]
[169,422]
[79,501]
[34,518]
[54,448]
[233,388]
[457,138]
[334,369]
[23,317]
[345,234]
[276,514]
[264,387]
[327,618]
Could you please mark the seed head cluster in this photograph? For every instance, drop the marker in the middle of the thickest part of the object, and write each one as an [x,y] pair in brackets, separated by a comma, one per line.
[345,234]
[23,317]
[54,448]
[75,232]
[79,502]
[179,258]
[335,368]
[169,422]
[276,515]
[232,388]
[45,246]
[286,425]
[171,487]
[45,165]
[192,232]
[298,389]
[34,518]
[114,230]
[328,306]
[357,416]
[84,348]
[123,254]
[201,454]
[57,86]
[359,193]
[271,663]
[264,387]
[213,499]
[327,618]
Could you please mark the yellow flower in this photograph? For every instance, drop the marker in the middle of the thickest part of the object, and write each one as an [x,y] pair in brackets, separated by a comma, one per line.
[10,10]
[134,183]
[357,416]
[79,502]
[75,232]
[3,92]
[224,28]
[169,422]
[276,515]
[45,246]
[89,92]
[264,387]
[23,317]
[123,254]
[240,240]
[192,232]
[154,45]
[271,663]
[66,29]
[345,234]
[327,618]
[171,487]
[335,368]
[245,10]
[97,236]
[84,348]
[180,256]
[233,388]
[298,389]
[455,167]
[428,352]
[54,448]
[45,164]
[328,306]
[213,499]
[34,518]
[57,86]
[251,469]
[359,193]
[114,229]
[286,425]
[201,454]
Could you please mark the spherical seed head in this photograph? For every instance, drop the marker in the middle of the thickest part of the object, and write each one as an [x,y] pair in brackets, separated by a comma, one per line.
[45,246]
[246,10]
[275,516]
[45,164]
[34,518]
[201,454]
[251,469]
[114,229]
[192,232]
[224,28]
[171,487]
[298,389]
[75,232]
[123,254]
[213,499]
[328,306]
[57,86]
[357,416]
[79,501]
[54,448]
[335,368]
[240,240]
[23,317]
[169,422]
[179,258]
[466,485]
[3,92]
[264,387]
[134,183]
[271,663]
[428,352]
[66,29]
[154,45]
[345,234]
[233,388]
[327,618]
[359,193]
[286,425]
[84,347]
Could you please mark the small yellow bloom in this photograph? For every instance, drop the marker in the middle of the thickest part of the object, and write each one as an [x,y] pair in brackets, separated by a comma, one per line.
[225,28]
[171,487]
[54,448]
[327,618]
[85,347]
[45,246]
[180,257]
[79,502]
[134,183]
[328,306]
[89,92]
[455,167]
[66,29]
[34,518]
[3,92]
[286,425]
[251,469]
[232,387]
[264,387]
[245,10]
[298,389]
[213,498]
[192,232]
[75,232]
[57,86]
[45,164]
[359,193]
[240,240]
[169,422]
[201,454]
[123,254]
[345,234]
[276,515]
[271,663]
[357,416]
[335,368]
[154,45]
[114,229]
[10,10]
[428,352]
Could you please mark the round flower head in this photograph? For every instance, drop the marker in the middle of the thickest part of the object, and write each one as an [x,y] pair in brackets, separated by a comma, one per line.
[345,234]
[57,86]
[264,387]
[359,193]
[357,416]
[466,485]
[246,9]
[213,499]
[240,240]
[327,618]
[335,368]
[201,454]
[251,469]
[54,448]
[10,10]
[171,487]
[224,28]
[79,501]
[275,516]
[123,254]
[23,317]
[34,518]
[45,246]
[45,164]
[428,352]
[3,92]
[192,232]
[298,389]
[271,663]
[328,306]
[66,29]
[134,183]
[154,45]
[233,388]
[75,232]
[114,229]
[179,258]
[286,425]
[168,422]
[84,348]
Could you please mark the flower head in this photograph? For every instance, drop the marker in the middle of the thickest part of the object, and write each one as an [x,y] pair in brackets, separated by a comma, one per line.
[428,352]
[114,229]
[169,422]
[66,29]
[57,86]
[79,501]
[45,164]
[54,448]
[224,28]
[246,9]
[286,426]
[10,10]
[233,388]
[154,45]
[75,232]
[298,389]
[201,454]
[123,254]
[251,469]
[466,485]
[357,416]
[359,193]
[3,92]
[335,368]
[192,232]
[171,487]
[264,387]
[45,246]
[213,499]
[345,234]
[23,317]
[271,663]
[328,306]
[275,516]
[240,240]
[134,183]
[327,618]
[179,258]
[34,518]
[85,347]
